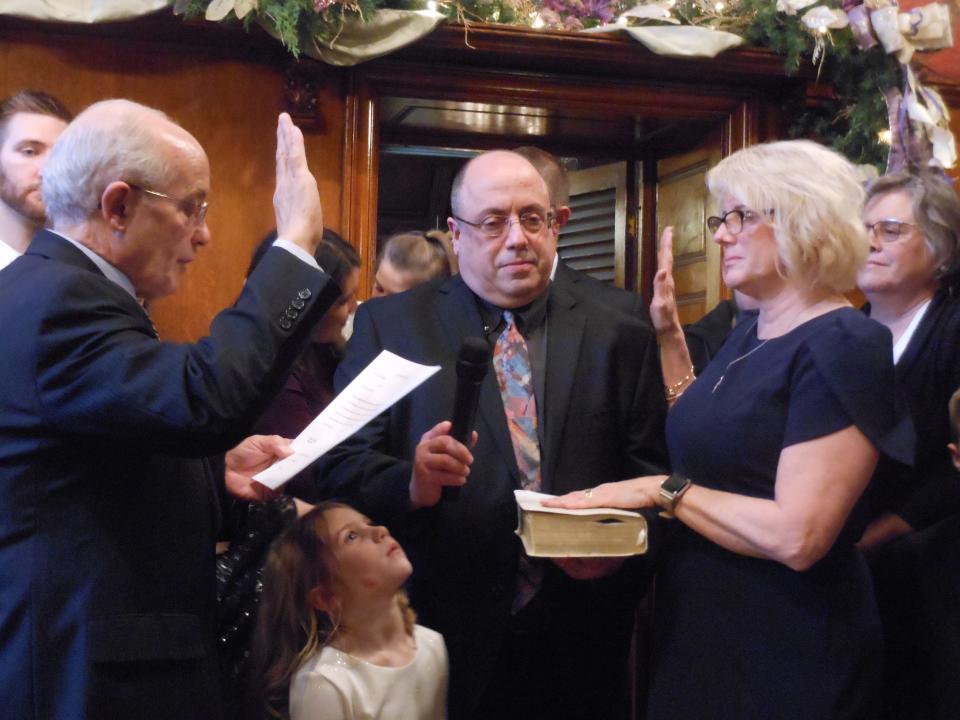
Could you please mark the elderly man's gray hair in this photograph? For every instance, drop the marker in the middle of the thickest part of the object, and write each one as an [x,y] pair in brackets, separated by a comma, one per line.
[108,141]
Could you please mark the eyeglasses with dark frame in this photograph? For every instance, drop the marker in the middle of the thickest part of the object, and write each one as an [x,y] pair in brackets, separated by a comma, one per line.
[733,219]
[888,230]
[495,227]
[195,210]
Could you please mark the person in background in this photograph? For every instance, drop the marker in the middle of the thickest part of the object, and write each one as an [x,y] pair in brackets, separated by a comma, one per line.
[912,283]
[309,388]
[30,123]
[579,283]
[408,259]
[336,638]
[764,605]
[305,394]
[444,238]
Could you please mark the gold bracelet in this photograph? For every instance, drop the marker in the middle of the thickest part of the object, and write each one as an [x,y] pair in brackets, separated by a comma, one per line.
[675,395]
[676,389]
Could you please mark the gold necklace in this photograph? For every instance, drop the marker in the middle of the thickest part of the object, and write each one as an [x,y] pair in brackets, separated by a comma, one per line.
[738,359]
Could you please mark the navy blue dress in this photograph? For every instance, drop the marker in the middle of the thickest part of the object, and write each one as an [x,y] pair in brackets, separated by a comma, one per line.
[740,637]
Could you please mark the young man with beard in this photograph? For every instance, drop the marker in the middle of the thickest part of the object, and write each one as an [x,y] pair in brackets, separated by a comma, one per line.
[30,122]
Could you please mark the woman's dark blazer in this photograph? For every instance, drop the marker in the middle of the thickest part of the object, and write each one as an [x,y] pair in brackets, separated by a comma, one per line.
[929,373]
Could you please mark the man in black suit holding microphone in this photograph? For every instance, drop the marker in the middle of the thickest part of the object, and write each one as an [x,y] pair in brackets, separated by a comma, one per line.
[573,398]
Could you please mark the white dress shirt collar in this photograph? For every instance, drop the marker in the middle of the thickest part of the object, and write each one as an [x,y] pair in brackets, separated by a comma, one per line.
[901,345]
[7,254]
[106,268]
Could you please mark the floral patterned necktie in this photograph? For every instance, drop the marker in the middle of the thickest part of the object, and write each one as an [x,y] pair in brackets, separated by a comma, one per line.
[511,361]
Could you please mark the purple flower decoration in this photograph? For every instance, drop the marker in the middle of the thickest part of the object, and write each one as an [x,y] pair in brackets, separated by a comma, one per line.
[321,5]
[600,9]
[570,14]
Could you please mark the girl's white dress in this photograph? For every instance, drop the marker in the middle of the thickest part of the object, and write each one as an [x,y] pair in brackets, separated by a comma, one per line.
[333,685]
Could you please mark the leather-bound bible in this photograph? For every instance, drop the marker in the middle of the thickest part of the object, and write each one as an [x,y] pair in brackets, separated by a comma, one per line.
[597,532]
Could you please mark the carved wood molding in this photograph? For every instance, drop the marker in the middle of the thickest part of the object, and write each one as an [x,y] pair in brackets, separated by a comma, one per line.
[301,95]
[361,157]
[501,46]
[572,92]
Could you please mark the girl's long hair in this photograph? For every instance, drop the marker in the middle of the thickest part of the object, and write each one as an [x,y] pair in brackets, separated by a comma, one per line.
[290,629]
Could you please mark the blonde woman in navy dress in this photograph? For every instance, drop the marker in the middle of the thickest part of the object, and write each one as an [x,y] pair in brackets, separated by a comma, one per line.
[764,605]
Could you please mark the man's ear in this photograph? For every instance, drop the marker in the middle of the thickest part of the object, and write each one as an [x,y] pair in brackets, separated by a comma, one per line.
[955,454]
[115,205]
[454,235]
[562,216]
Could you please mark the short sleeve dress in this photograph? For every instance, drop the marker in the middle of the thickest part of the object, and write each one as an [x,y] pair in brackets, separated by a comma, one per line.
[739,637]
[334,685]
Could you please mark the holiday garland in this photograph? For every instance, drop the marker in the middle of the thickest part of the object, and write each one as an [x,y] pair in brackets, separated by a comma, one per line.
[852,122]
[867,112]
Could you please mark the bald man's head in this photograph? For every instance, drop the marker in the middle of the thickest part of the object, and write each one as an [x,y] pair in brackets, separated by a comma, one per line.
[501,228]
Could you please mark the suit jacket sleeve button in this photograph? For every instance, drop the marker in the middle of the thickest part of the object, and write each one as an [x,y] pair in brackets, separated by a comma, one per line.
[285,323]
[291,313]
[304,294]
[298,304]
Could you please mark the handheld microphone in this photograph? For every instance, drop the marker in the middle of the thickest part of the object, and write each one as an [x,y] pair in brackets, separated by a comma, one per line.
[472,364]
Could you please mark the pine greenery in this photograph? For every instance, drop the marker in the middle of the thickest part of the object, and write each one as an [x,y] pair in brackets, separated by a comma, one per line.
[850,122]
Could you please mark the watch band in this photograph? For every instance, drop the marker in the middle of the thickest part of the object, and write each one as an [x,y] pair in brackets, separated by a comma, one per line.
[671,490]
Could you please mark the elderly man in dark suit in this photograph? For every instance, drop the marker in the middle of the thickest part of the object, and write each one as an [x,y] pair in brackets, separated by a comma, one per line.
[107,509]
[527,638]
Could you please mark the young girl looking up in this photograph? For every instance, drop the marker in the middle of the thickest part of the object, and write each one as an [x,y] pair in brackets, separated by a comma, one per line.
[336,637]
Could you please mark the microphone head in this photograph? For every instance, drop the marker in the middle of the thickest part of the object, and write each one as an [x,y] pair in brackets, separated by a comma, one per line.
[474,358]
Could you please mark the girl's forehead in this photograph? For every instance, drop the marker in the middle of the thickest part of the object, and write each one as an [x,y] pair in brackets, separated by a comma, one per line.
[339,517]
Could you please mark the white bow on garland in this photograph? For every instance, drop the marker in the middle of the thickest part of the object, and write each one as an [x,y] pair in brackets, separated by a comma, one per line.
[81,11]
[919,119]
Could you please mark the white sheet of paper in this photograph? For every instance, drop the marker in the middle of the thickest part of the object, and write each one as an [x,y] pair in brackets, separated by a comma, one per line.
[382,383]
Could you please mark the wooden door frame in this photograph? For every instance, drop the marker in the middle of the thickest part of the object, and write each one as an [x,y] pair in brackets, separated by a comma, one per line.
[628,83]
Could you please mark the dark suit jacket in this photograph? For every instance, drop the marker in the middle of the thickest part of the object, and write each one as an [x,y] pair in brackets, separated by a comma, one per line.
[589,289]
[917,575]
[929,373]
[604,415]
[107,509]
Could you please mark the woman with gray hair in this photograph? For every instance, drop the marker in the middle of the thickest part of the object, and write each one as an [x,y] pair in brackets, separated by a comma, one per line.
[764,605]
[911,282]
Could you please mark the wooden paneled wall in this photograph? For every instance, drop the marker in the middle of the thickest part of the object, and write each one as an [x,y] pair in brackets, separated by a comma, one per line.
[229,100]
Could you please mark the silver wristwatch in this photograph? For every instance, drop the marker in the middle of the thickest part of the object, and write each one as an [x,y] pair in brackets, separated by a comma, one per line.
[670,491]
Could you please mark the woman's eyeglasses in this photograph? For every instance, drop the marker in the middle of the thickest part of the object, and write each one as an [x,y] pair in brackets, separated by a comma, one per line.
[733,220]
[888,230]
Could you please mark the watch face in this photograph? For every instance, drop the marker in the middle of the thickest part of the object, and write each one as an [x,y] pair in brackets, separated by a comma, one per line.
[674,484]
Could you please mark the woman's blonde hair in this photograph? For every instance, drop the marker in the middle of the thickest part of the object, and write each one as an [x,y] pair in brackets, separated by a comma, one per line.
[814,197]
[290,629]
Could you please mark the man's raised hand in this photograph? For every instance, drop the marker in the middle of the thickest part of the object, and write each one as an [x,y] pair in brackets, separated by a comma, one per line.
[296,199]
